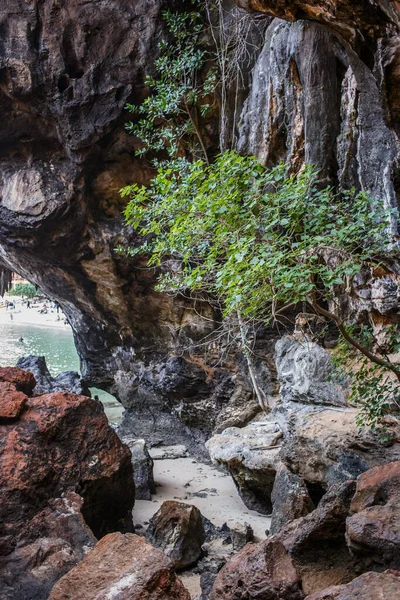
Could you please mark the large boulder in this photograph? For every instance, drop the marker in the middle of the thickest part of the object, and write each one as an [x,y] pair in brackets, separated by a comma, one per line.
[24,381]
[121,567]
[251,455]
[370,586]
[52,543]
[264,571]
[373,529]
[61,443]
[177,529]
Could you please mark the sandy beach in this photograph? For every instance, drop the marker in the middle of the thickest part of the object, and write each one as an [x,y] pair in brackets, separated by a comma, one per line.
[31,316]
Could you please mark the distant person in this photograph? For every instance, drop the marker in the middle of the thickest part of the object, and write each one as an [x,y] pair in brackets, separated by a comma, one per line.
[21,339]
[28,304]
[11,317]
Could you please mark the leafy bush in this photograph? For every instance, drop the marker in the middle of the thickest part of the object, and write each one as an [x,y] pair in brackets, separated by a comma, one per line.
[23,289]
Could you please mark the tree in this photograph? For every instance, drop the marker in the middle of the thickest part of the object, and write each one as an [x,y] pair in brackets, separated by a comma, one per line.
[256,241]
[23,289]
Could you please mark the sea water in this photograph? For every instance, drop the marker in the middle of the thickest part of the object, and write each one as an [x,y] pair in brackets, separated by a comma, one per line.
[57,346]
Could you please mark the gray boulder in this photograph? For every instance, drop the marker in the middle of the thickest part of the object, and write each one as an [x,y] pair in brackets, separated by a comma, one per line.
[142,468]
[67,381]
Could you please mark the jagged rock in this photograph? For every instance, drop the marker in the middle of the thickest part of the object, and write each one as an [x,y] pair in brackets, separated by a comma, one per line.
[242,406]
[305,556]
[251,456]
[54,541]
[124,567]
[142,464]
[12,402]
[68,381]
[304,370]
[290,499]
[241,534]
[370,586]
[177,529]
[264,570]
[23,380]
[373,530]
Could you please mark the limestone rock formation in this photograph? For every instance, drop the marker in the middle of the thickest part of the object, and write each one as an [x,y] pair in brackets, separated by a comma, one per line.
[177,529]
[63,471]
[124,567]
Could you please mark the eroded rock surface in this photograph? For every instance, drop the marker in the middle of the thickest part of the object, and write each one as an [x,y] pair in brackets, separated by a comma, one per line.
[124,567]
[65,478]
[370,586]
[68,381]
[177,529]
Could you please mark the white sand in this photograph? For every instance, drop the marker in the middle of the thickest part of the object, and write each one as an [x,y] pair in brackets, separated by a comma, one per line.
[222,503]
[32,316]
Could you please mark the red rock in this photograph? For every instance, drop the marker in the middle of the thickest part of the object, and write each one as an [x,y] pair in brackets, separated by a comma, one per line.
[24,381]
[55,540]
[121,567]
[370,586]
[177,529]
[373,530]
[12,403]
[378,486]
[61,443]
[264,571]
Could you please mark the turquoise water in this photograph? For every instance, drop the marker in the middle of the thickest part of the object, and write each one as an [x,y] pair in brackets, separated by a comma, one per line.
[57,346]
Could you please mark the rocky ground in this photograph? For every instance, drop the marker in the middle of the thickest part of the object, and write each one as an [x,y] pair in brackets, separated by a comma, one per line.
[68,490]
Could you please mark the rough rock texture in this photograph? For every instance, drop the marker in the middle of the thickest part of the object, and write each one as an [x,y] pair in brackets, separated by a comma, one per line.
[68,381]
[60,446]
[177,529]
[373,530]
[251,455]
[290,499]
[260,571]
[12,402]
[124,567]
[370,586]
[303,371]
[23,380]
[317,442]
[53,542]
[142,464]
[307,555]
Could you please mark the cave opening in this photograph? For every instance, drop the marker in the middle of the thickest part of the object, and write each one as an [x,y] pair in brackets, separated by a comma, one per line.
[32,323]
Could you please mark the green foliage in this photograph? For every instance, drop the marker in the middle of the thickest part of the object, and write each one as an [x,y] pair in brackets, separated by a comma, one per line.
[252,237]
[373,388]
[169,116]
[23,289]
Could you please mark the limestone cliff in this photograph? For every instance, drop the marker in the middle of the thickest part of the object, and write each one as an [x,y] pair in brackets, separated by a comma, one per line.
[325,89]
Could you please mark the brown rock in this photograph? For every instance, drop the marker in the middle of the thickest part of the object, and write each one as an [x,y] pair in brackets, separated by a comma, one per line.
[55,540]
[380,485]
[121,567]
[264,571]
[24,381]
[177,529]
[61,443]
[12,403]
[373,530]
[370,586]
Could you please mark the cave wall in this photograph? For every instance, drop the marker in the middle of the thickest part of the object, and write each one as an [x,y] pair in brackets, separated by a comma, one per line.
[325,89]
